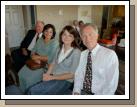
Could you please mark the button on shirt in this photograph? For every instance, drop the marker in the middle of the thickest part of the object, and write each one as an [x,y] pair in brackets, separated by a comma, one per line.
[105,71]
[33,42]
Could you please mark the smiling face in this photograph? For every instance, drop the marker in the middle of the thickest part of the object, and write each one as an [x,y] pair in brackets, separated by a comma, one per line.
[67,38]
[89,37]
[48,33]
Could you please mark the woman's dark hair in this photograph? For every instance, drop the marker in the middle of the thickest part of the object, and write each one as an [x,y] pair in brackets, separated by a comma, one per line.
[72,31]
[80,22]
[47,26]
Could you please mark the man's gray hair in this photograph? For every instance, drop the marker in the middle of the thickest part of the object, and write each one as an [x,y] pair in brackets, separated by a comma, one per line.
[39,21]
[92,25]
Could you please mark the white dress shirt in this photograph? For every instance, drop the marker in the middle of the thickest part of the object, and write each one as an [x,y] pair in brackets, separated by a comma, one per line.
[105,71]
[63,55]
[33,42]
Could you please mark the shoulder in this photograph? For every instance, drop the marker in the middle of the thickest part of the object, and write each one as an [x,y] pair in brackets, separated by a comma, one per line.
[40,41]
[76,54]
[32,31]
[84,52]
[76,50]
[54,42]
[109,53]
[106,50]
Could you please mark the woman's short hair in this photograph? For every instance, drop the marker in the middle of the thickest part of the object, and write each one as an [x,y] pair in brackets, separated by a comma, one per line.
[72,31]
[47,26]
[81,22]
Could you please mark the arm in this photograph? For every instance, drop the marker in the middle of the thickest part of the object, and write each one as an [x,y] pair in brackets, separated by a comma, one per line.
[112,76]
[64,76]
[27,39]
[53,51]
[69,74]
[78,80]
[35,57]
[74,64]
[114,39]
[24,51]
[39,57]
[47,76]
[79,76]
[35,51]
[50,67]
[43,58]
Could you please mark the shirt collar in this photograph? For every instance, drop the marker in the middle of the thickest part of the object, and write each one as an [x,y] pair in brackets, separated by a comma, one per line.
[95,49]
[62,50]
[40,34]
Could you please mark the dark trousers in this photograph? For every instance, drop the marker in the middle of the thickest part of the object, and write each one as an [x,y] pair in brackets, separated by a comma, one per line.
[13,90]
[19,59]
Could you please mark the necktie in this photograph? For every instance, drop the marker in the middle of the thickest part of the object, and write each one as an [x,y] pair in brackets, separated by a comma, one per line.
[87,84]
[77,30]
[37,37]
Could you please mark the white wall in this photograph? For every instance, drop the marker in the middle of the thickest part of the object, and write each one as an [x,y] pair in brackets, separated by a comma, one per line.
[59,16]
[96,17]
[91,14]
[14,24]
[63,15]
[84,13]
[27,17]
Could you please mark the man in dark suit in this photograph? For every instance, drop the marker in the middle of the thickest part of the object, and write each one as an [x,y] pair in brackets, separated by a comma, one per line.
[23,53]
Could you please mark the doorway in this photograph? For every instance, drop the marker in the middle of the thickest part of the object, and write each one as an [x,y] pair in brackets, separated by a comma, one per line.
[14,25]
[104,19]
[18,20]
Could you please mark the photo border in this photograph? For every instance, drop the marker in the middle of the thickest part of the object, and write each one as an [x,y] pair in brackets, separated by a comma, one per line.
[131,77]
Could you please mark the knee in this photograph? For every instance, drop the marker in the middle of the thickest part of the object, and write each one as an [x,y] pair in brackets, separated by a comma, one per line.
[15,54]
[28,92]
[31,91]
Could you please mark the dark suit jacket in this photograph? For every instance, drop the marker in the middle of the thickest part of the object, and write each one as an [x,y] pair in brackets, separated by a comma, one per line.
[28,38]
[18,57]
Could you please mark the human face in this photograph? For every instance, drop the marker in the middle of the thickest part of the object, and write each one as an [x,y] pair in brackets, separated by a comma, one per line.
[67,38]
[75,23]
[39,27]
[89,37]
[81,25]
[48,33]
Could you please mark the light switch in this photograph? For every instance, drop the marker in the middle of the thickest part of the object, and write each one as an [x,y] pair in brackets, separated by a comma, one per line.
[60,12]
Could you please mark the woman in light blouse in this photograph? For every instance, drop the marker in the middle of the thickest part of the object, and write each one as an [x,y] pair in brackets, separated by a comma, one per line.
[60,75]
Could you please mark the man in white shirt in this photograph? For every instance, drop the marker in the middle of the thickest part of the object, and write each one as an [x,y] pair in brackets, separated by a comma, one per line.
[100,76]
